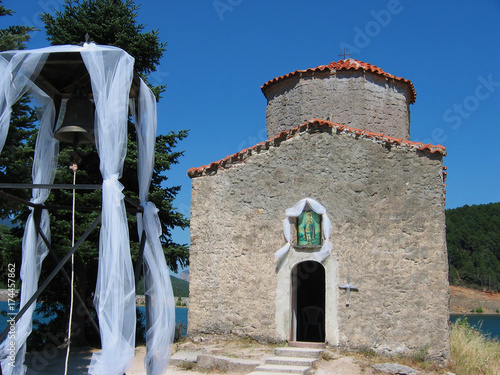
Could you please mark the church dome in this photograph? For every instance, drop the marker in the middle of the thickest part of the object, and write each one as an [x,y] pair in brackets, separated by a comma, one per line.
[349,92]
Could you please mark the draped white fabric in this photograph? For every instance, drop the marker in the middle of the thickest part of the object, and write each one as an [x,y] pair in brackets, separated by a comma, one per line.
[34,249]
[111,73]
[160,314]
[295,211]
[16,69]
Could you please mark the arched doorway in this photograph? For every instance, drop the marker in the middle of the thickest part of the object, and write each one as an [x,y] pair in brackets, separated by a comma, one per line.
[308,302]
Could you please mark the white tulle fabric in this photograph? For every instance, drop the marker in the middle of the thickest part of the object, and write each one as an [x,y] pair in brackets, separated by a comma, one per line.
[34,249]
[111,72]
[16,68]
[161,313]
[295,211]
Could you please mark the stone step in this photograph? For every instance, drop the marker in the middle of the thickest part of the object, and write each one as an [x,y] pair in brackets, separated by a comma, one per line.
[291,361]
[208,361]
[184,356]
[283,369]
[268,373]
[307,344]
[298,352]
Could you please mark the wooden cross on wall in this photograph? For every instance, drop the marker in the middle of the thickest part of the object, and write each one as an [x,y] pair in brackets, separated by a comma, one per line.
[348,287]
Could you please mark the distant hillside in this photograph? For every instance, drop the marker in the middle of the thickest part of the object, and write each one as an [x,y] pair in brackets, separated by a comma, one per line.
[184,275]
[473,239]
[180,287]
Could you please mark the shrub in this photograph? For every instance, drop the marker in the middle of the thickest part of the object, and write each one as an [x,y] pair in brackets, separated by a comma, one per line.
[422,354]
[179,332]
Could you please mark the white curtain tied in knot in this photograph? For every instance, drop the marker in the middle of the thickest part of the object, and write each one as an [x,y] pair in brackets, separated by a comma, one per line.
[295,211]
[111,73]
[112,188]
[161,311]
[34,249]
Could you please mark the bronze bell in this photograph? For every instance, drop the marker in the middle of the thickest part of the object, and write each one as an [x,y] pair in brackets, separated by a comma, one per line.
[78,124]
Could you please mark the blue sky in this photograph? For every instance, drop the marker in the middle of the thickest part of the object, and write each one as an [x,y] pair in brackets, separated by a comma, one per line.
[220,52]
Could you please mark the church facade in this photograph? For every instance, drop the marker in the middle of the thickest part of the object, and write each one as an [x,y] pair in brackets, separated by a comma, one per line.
[333,230]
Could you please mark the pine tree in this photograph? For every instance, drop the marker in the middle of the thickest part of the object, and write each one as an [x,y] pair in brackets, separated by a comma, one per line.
[473,243]
[111,22]
[13,37]
[16,157]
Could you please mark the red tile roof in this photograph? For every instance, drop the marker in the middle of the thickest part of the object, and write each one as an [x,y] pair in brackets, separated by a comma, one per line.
[315,125]
[348,64]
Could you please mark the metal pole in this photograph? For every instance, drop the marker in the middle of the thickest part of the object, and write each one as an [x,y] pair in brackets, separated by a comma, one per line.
[147,298]
[139,259]
[51,186]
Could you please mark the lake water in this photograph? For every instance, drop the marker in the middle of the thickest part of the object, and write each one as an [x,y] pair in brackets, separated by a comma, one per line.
[489,324]
[180,316]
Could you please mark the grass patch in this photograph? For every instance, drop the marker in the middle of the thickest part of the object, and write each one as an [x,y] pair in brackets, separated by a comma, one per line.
[368,353]
[472,352]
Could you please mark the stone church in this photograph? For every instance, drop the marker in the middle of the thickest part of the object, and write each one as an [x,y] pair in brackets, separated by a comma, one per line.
[332,230]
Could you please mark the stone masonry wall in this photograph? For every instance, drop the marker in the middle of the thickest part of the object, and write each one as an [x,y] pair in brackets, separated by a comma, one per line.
[352,98]
[388,232]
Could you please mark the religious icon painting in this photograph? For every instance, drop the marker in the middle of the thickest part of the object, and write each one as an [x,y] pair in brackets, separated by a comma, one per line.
[309,229]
